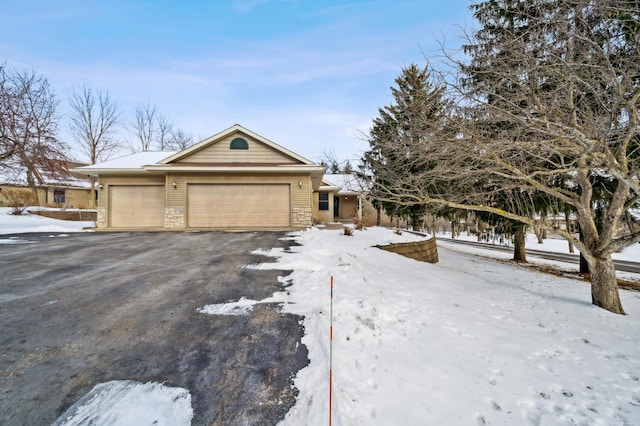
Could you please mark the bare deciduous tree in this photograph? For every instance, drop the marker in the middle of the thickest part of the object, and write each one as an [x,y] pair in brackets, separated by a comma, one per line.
[144,126]
[549,111]
[179,140]
[28,126]
[164,128]
[93,122]
[94,119]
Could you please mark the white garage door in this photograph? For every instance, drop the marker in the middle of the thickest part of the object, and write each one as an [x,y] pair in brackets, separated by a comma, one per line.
[238,205]
[136,206]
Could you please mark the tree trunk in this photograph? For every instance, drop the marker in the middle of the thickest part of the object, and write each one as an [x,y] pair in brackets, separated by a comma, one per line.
[378,215]
[539,235]
[415,222]
[604,286]
[479,229]
[519,252]
[584,266]
[34,190]
[567,224]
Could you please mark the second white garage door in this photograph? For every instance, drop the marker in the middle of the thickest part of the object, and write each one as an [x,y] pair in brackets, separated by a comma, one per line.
[238,205]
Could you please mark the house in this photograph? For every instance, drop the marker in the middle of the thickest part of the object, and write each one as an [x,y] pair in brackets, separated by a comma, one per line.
[58,187]
[343,198]
[340,198]
[235,179]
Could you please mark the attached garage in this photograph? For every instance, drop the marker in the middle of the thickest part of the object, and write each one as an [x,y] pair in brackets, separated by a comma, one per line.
[136,206]
[235,179]
[238,205]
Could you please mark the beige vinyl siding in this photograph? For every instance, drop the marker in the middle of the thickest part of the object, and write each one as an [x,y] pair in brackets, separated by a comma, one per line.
[238,205]
[348,207]
[136,206]
[219,152]
[322,216]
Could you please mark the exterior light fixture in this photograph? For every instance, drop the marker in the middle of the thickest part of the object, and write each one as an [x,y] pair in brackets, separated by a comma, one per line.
[175,185]
[299,184]
[100,186]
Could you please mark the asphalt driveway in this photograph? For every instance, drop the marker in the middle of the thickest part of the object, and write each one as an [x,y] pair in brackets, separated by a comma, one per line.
[85,309]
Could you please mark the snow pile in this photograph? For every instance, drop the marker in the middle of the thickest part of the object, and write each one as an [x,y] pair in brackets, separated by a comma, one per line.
[15,240]
[125,402]
[465,341]
[12,224]
[241,307]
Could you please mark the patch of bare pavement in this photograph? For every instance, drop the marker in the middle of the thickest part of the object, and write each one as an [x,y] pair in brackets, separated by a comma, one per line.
[86,309]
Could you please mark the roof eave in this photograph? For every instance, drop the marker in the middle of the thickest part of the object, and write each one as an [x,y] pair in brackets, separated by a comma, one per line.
[98,172]
[333,188]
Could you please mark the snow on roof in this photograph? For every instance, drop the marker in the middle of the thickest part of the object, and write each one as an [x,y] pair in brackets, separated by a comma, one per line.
[18,176]
[347,182]
[133,161]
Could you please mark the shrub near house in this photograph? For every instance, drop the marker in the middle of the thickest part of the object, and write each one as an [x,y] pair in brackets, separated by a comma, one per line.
[18,199]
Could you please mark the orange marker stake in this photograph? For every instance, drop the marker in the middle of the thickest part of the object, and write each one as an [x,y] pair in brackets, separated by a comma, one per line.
[331,353]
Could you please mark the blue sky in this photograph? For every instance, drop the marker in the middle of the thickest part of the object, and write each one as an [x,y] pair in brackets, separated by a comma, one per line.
[307,74]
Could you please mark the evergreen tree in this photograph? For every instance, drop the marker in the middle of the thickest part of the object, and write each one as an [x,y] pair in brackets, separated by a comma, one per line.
[399,134]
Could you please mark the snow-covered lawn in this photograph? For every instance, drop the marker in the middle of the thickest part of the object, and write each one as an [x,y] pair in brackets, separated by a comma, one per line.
[466,341]
[469,340]
[12,224]
[554,244]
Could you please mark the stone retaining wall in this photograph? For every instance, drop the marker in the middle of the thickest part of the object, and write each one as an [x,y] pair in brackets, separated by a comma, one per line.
[82,215]
[425,251]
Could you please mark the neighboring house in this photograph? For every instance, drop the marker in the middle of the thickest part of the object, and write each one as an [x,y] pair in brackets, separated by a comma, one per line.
[59,188]
[235,179]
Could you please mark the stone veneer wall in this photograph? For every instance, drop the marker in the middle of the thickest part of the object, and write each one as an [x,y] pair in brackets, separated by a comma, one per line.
[174,218]
[302,217]
[101,217]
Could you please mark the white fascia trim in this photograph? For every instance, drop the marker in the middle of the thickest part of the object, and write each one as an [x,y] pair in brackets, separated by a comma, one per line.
[329,188]
[235,169]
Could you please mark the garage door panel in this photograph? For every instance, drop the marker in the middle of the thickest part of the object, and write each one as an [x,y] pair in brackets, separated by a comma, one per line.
[136,206]
[238,205]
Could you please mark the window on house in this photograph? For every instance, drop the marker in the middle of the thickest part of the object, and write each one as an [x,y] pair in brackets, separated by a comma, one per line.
[323,202]
[58,196]
[239,143]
